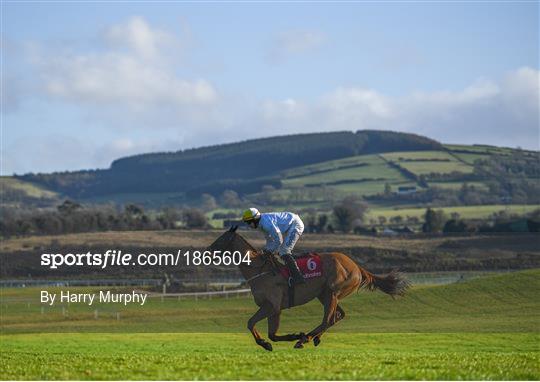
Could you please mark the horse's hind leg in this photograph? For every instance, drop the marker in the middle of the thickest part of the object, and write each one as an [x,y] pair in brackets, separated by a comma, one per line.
[329,300]
[338,316]
[263,312]
[273,326]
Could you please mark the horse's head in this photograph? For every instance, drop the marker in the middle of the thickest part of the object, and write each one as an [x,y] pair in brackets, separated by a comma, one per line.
[226,242]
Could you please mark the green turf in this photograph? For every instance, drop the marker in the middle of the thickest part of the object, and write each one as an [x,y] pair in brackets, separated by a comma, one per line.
[504,356]
[484,328]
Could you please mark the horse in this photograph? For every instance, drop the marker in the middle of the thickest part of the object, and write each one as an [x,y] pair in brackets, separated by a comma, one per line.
[341,276]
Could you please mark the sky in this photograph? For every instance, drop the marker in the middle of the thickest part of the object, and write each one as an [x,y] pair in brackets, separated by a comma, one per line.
[84,83]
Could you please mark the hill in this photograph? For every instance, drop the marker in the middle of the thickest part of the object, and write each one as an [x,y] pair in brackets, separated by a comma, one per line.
[306,172]
[243,166]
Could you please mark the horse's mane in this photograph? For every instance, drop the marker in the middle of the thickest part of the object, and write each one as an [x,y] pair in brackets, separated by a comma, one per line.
[252,248]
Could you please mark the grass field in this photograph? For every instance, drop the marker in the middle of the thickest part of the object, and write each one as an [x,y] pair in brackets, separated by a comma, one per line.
[465,212]
[29,189]
[459,185]
[485,328]
[233,356]
[426,162]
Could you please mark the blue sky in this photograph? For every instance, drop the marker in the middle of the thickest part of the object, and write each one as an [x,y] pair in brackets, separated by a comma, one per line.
[86,83]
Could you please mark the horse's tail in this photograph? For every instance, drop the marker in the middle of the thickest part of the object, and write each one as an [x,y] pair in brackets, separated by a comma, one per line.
[395,283]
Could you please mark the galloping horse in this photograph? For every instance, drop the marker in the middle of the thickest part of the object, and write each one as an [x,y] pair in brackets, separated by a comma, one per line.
[341,277]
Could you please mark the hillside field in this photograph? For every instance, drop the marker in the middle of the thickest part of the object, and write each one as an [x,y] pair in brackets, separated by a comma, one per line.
[485,328]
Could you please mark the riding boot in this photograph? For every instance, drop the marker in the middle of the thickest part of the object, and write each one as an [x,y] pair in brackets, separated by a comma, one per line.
[293,269]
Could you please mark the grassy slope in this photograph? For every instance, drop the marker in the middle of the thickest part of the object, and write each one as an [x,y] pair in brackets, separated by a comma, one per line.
[486,328]
[425,162]
[498,303]
[465,212]
[30,190]
[371,172]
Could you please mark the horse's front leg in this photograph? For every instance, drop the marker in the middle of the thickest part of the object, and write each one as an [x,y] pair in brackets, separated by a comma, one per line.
[263,312]
[273,326]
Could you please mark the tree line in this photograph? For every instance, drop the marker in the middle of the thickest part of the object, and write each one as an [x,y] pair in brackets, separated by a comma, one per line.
[72,217]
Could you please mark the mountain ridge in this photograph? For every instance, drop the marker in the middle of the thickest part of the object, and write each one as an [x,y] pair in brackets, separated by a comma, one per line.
[244,165]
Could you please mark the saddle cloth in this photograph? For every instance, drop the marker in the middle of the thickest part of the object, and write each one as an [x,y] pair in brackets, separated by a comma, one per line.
[310,265]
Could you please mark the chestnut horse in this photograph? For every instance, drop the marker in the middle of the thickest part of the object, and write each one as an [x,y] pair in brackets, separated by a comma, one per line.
[341,276]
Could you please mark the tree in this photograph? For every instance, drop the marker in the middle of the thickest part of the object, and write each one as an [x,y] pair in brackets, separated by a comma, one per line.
[169,217]
[133,210]
[454,225]
[311,222]
[321,222]
[208,202]
[230,199]
[387,189]
[433,220]
[194,218]
[349,211]
[68,207]
[398,219]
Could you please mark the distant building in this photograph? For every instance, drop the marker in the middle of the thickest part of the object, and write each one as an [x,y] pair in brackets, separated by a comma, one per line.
[405,190]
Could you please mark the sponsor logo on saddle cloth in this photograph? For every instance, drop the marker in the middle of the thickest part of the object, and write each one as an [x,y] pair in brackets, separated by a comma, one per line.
[310,265]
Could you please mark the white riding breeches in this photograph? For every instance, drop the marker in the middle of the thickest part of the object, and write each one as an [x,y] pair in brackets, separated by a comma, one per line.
[291,237]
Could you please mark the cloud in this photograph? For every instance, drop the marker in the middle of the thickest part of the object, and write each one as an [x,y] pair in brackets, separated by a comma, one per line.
[134,74]
[294,43]
[140,38]
[503,112]
[60,152]
[131,88]
[499,113]
[114,78]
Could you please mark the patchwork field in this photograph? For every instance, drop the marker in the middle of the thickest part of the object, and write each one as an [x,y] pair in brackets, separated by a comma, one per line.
[427,162]
[465,212]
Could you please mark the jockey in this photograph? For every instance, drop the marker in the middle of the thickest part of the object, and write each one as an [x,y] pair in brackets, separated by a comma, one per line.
[282,231]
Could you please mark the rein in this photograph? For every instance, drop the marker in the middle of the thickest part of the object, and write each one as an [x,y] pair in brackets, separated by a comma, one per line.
[258,275]
[266,259]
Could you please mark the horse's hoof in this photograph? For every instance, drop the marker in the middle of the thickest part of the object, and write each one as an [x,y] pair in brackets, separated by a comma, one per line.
[299,345]
[264,344]
[316,341]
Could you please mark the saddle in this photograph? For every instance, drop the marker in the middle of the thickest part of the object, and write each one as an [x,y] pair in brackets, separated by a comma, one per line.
[310,265]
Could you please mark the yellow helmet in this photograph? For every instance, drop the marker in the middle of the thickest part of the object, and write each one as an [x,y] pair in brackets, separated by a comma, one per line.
[251,214]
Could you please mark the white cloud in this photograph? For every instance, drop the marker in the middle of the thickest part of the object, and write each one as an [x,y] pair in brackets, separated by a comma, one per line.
[295,42]
[114,78]
[131,87]
[138,80]
[140,38]
[498,113]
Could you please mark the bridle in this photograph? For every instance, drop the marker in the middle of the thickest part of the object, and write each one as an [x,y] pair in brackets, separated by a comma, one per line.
[266,257]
